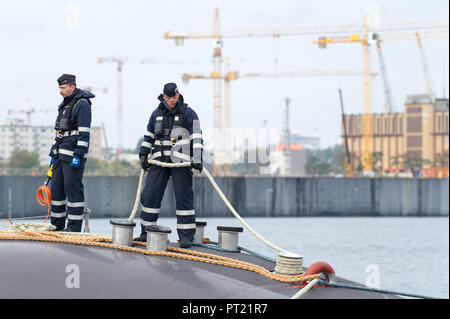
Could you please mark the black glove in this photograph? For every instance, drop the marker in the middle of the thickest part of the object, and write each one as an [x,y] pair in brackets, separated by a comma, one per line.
[197,165]
[144,162]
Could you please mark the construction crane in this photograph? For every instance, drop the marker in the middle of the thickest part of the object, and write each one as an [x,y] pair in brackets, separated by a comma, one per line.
[389,106]
[386,84]
[217,35]
[120,61]
[230,76]
[426,70]
[348,170]
[366,39]
[29,112]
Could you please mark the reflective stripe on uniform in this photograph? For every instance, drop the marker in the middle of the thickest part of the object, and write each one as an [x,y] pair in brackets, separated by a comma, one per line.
[58,215]
[84,129]
[74,217]
[156,155]
[146,223]
[65,152]
[165,143]
[58,202]
[76,204]
[186,226]
[185,212]
[69,133]
[146,144]
[183,142]
[195,135]
[197,145]
[150,210]
[69,153]
[150,134]
[182,156]
[82,143]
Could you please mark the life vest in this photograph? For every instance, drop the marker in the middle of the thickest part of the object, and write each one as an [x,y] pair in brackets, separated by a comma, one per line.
[172,139]
[64,121]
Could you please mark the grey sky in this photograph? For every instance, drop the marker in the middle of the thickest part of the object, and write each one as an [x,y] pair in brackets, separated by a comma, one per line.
[40,42]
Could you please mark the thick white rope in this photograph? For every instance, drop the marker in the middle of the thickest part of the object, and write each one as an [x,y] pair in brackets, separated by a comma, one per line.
[218,190]
[305,289]
[138,195]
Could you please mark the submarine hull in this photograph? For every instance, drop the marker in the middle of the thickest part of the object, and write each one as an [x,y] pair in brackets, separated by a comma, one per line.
[33,269]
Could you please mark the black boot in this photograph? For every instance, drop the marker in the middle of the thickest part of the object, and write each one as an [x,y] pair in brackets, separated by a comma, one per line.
[74,226]
[60,223]
[185,243]
[143,236]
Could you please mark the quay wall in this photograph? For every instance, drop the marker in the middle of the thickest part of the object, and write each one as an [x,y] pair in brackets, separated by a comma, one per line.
[251,197]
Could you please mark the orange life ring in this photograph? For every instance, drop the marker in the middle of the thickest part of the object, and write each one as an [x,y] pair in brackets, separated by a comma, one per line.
[320,267]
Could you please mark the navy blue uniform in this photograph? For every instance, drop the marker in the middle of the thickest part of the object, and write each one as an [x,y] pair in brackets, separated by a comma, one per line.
[173,136]
[66,184]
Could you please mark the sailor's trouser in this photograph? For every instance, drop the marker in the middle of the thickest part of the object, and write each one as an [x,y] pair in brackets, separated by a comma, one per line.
[67,196]
[153,193]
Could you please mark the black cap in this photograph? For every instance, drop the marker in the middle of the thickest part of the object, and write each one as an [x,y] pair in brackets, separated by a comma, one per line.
[170,89]
[66,78]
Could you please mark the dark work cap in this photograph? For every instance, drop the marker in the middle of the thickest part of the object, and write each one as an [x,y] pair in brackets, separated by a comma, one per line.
[170,89]
[66,78]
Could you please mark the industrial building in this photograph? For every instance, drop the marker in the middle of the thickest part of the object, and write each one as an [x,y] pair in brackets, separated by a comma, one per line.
[420,133]
[15,134]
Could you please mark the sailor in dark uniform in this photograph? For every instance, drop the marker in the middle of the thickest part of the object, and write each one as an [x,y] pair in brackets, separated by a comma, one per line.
[173,136]
[69,153]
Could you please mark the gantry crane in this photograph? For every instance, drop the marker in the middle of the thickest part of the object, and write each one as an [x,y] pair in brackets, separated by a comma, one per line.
[30,111]
[366,39]
[217,35]
[230,76]
[120,63]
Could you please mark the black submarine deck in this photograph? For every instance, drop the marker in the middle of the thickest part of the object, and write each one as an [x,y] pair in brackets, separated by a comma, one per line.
[32,269]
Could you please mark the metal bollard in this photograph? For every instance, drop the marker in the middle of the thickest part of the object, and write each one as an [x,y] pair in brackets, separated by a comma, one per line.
[228,237]
[199,232]
[122,231]
[157,237]
[87,211]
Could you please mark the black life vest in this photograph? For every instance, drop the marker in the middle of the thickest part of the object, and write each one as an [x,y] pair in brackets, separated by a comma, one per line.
[171,136]
[64,120]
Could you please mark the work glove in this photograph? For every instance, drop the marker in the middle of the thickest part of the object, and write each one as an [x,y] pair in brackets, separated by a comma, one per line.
[197,165]
[75,162]
[144,162]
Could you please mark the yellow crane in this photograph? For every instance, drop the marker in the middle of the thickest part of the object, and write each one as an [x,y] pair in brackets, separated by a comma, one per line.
[230,76]
[366,39]
[218,35]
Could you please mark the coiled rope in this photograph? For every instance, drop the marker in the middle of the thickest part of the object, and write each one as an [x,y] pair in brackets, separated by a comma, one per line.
[104,241]
[44,197]
[218,190]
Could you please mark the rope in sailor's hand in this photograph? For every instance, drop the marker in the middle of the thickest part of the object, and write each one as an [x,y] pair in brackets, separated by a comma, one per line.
[218,190]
